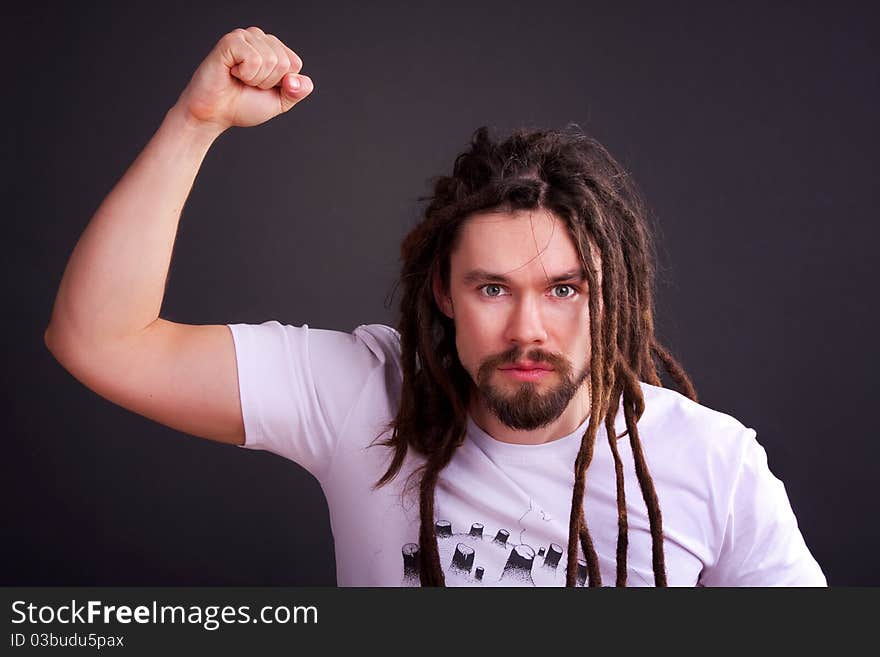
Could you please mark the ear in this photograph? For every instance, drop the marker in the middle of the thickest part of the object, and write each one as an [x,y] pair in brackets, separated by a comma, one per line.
[441,298]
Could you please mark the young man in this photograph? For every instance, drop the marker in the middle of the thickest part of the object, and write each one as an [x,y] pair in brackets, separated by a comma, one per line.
[513,431]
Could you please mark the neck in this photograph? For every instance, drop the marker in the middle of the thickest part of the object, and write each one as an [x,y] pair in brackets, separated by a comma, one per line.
[571,418]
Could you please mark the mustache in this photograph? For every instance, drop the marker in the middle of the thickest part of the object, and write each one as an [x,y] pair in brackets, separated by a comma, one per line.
[516,354]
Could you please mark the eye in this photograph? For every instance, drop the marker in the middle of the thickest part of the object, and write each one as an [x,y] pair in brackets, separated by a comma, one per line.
[568,291]
[491,290]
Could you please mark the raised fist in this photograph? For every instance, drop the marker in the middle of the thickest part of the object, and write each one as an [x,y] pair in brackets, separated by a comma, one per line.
[248,78]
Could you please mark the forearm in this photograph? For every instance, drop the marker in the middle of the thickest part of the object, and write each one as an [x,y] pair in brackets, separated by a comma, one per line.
[114,282]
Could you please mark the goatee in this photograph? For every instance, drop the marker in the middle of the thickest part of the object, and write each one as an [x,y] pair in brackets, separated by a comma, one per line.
[527,408]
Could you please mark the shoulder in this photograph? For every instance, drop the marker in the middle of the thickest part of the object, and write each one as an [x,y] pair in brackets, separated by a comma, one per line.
[673,407]
[382,341]
[303,361]
[368,345]
[721,497]
[681,426]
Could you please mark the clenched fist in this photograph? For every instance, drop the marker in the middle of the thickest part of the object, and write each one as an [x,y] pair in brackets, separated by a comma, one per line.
[248,78]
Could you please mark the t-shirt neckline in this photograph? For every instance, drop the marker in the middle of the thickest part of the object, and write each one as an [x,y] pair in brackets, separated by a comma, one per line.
[567,445]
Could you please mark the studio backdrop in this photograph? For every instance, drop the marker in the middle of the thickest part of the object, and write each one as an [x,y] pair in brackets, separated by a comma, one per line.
[750,130]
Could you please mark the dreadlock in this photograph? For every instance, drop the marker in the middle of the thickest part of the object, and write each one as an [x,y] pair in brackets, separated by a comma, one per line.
[574,177]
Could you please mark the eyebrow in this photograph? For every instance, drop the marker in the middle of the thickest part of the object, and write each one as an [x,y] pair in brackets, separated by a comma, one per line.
[483,276]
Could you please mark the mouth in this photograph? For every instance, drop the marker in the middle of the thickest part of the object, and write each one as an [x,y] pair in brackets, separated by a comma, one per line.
[527,372]
[528,367]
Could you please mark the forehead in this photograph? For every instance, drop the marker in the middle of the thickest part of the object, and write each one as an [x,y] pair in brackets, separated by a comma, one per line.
[521,244]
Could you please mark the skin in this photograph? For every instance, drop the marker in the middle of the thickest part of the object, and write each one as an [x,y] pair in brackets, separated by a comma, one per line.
[526,316]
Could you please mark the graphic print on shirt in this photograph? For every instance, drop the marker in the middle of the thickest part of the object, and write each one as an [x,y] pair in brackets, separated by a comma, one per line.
[474,558]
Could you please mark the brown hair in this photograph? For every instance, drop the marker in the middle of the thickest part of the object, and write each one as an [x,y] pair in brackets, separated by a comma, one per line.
[574,177]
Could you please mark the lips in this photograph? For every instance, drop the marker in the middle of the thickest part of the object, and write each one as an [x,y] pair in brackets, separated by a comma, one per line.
[527,372]
[527,366]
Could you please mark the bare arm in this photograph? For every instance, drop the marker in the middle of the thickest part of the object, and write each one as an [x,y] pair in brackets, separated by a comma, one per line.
[105,326]
[114,282]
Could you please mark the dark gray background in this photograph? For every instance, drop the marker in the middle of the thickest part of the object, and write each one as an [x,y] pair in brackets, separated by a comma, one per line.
[750,129]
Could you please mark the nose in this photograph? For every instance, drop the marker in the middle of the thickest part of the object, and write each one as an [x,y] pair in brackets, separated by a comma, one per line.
[525,324]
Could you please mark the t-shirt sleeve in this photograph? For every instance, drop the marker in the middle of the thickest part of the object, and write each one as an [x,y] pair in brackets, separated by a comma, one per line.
[762,545]
[298,384]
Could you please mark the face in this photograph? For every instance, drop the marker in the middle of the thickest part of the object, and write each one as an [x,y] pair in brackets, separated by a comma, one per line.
[519,300]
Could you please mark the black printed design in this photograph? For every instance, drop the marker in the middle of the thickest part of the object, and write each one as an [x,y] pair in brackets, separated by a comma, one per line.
[473,559]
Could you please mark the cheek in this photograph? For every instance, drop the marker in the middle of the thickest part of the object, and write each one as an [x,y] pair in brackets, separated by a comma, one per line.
[570,322]
[573,331]
[476,336]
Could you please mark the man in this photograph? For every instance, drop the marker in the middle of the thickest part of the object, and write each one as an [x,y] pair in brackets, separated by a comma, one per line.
[512,432]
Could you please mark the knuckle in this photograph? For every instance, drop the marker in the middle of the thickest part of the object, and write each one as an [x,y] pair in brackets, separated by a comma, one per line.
[255,30]
[230,37]
[253,65]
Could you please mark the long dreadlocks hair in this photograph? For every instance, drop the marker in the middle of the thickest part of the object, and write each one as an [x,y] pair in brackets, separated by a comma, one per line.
[574,177]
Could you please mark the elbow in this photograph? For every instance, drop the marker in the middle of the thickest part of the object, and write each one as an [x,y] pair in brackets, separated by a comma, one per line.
[47,339]
[53,344]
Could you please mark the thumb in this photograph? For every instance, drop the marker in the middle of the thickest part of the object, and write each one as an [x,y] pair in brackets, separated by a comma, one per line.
[294,88]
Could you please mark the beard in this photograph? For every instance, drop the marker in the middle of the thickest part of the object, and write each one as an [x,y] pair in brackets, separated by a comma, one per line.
[526,408]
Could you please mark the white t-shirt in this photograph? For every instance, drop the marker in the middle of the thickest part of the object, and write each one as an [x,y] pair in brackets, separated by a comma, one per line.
[320,398]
